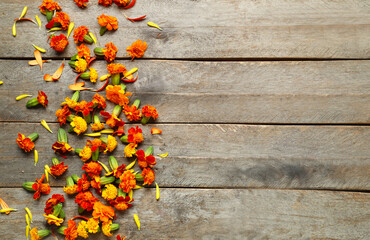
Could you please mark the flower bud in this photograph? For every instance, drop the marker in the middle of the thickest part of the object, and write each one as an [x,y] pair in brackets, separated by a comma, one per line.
[28,186]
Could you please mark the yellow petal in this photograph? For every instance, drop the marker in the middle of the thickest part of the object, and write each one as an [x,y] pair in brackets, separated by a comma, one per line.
[130,72]
[163,155]
[157,193]
[47,168]
[137,187]
[70,28]
[38,48]
[104,166]
[137,221]
[93,37]
[44,123]
[38,21]
[1,82]
[130,165]
[22,96]
[55,29]
[107,131]
[36,157]
[151,24]
[97,134]
[27,231]
[46,175]
[23,12]
[29,213]
[8,210]
[104,77]
[130,194]
[27,219]
[14,30]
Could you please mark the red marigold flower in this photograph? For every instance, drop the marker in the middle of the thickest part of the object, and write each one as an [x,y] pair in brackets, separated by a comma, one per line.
[51,202]
[121,3]
[95,183]
[58,169]
[132,113]
[81,3]
[49,5]
[61,147]
[40,188]
[118,172]
[108,21]
[96,144]
[117,95]
[63,19]
[62,114]
[83,51]
[83,183]
[112,120]
[79,33]
[84,107]
[137,49]
[102,212]
[42,98]
[128,181]
[135,135]
[99,101]
[145,161]
[92,168]
[70,232]
[149,111]
[148,175]
[105,3]
[59,43]
[110,52]
[86,200]
[25,143]
[114,68]
[121,203]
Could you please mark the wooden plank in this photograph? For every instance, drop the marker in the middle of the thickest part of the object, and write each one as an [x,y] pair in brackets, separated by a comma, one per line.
[213,28]
[219,92]
[218,214]
[312,157]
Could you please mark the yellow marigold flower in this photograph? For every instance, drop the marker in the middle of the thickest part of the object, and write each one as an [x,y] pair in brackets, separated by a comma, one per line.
[130,150]
[106,227]
[93,75]
[81,65]
[82,229]
[85,154]
[79,125]
[92,225]
[70,190]
[112,144]
[53,219]
[70,103]
[35,234]
[110,192]
[97,126]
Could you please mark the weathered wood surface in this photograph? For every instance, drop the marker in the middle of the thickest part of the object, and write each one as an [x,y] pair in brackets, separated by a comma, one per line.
[218,214]
[312,157]
[212,29]
[219,92]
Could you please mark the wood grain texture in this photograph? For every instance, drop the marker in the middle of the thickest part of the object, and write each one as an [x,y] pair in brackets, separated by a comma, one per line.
[218,214]
[218,156]
[212,29]
[218,92]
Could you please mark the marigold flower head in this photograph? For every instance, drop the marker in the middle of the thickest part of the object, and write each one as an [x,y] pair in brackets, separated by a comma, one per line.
[102,212]
[148,175]
[144,161]
[79,33]
[121,3]
[105,3]
[25,143]
[40,188]
[149,111]
[132,113]
[128,181]
[108,21]
[97,126]
[85,154]
[79,125]
[83,183]
[117,95]
[82,230]
[110,52]
[86,200]
[63,19]
[119,171]
[135,135]
[114,68]
[137,49]
[58,43]
[70,190]
[58,169]
[62,114]
[49,5]
[99,101]
[34,234]
[92,225]
[81,4]
[70,103]
[110,192]
[92,168]
[70,232]
[130,149]
[51,202]
[112,144]
[96,144]
[106,228]
[121,203]
[42,98]
[84,107]
[111,120]
[61,147]
[93,75]
[83,51]
[53,219]
[80,65]
[95,183]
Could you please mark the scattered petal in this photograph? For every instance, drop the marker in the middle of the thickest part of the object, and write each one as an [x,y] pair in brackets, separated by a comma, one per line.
[70,28]
[151,24]
[93,37]
[137,221]
[48,78]
[107,131]
[157,193]
[14,31]
[34,62]
[130,165]
[1,82]
[29,213]
[58,73]
[5,210]
[130,72]
[38,58]
[156,131]
[104,77]
[38,48]
[4,205]
[163,155]
[22,96]
[38,21]
[23,12]
[44,123]
[97,134]
[36,157]
[24,19]
[78,86]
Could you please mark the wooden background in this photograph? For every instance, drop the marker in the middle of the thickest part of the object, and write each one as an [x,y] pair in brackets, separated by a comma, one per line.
[264,107]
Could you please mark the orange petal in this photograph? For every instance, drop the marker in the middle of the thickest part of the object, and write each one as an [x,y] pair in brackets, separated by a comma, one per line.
[78,86]
[48,78]
[58,73]
[156,131]
[38,58]
[34,62]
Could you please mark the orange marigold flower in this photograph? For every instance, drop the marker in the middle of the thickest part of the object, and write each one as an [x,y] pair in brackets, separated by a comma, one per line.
[82,229]
[35,234]
[130,149]
[58,169]
[135,135]
[121,203]
[120,238]
[148,175]
[121,3]
[132,113]
[62,114]
[40,187]
[92,168]
[80,65]
[79,33]
[106,228]
[84,107]
[108,21]
[61,147]
[51,202]
[112,120]
[86,200]
[110,192]
[96,144]
[112,144]
[49,5]
[105,3]
[25,143]
[149,111]
[83,51]
[59,43]
[70,190]
[83,183]
[137,49]
[85,154]
[102,212]
[99,101]
[79,125]
[145,161]
[70,232]
[42,98]
[117,95]
[95,183]
[119,171]
[114,68]
[97,126]
[70,103]
[128,181]
[63,19]
[81,3]
[92,225]
[110,52]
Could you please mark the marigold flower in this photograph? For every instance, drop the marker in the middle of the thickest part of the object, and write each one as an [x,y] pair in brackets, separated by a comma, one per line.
[106,227]
[79,125]
[49,5]
[120,238]
[99,101]
[83,51]
[85,154]
[40,188]
[108,21]
[95,183]
[70,103]
[105,3]
[86,200]
[135,135]
[97,126]
[25,143]
[121,3]
[58,169]
[84,107]
[79,33]
[62,114]
[117,95]
[102,212]
[119,171]
[114,68]
[96,144]
[51,202]
[128,181]
[92,225]
[53,219]
[35,234]
[83,183]
[148,175]
[112,144]
[63,19]
[110,52]
[93,75]
[58,43]
[121,203]
[110,192]
[81,4]
[80,65]
[92,168]
[132,113]
[61,147]
[42,98]
[137,49]
[70,190]
[144,161]
[130,149]
[112,120]
[70,232]
[149,111]
[82,229]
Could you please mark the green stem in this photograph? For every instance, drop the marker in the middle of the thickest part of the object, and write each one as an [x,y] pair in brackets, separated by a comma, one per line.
[116,78]
[33,136]
[124,139]
[55,161]
[76,96]
[96,119]
[149,151]
[136,103]
[102,31]
[87,118]
[145,120]
[117,110]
